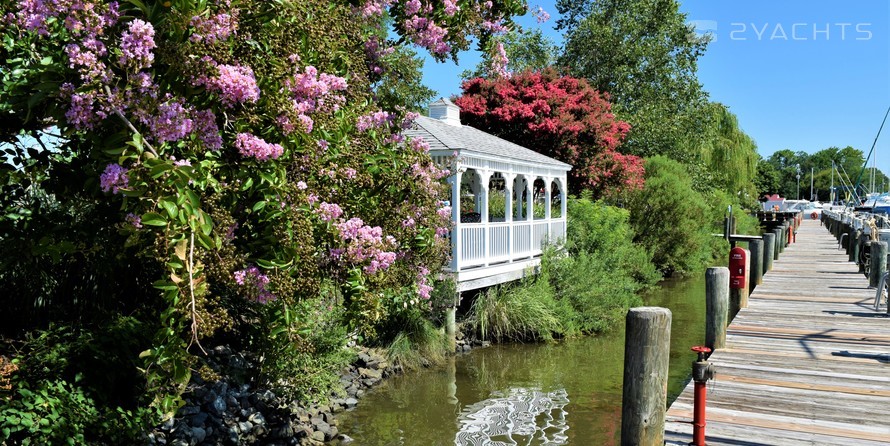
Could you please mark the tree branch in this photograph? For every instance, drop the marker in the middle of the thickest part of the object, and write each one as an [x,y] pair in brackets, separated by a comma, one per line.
[132,128]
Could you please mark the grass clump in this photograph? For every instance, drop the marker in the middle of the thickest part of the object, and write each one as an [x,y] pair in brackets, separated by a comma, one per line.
[419,344]
[528,311]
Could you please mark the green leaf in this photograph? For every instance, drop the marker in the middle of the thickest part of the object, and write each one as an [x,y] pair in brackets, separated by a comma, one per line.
[153,219]
[259,205]
[170,207]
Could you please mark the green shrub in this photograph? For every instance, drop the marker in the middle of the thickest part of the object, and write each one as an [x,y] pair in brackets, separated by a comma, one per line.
[526,311]
[420,343]
[670,218]
[597,293]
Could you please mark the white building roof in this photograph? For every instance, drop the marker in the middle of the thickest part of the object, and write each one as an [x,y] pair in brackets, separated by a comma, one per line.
[444,137]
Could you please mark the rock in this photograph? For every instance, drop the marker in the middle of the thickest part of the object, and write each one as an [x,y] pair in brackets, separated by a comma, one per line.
[317,436]
[198,434]
[328,436]
[245,426]
[467,347]
[218,407]
[486,344]
[221,350]
[325,429]
[345,439]
[257,419]
[189,410]
[351,402]
[179,442]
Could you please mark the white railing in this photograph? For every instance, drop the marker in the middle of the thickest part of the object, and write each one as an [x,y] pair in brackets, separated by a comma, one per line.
[483,244]
[472,245]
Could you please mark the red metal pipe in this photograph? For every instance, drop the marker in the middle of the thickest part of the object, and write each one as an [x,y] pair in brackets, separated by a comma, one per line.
[698,421]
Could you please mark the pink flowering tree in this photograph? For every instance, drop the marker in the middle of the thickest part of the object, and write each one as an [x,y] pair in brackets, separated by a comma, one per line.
[561,117]
[244,159]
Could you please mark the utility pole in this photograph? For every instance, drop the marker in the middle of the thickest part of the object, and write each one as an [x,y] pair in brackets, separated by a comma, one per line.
[797,166]
[831,192]
[812,197]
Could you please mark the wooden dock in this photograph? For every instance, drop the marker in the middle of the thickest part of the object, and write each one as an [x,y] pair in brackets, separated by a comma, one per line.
[807,363]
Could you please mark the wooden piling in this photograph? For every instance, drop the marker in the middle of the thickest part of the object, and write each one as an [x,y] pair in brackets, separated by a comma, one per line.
[717,306]
[769,251]
[756,273]
[451,328]
[777,250]
[646,357]
[878,263]
[854,245]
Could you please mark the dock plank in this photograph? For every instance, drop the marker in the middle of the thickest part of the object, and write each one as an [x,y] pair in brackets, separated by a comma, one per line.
[807,363]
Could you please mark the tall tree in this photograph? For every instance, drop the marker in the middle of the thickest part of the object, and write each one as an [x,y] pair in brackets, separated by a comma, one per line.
[559,116]
[644,55]
[729,153]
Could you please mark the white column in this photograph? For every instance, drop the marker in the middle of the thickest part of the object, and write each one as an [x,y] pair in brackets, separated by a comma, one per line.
[547,204]
[563,198]
[455,220]
[508,211]
[484,176]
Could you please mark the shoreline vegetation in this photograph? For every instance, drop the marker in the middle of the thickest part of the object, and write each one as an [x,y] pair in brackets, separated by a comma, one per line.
[212,227]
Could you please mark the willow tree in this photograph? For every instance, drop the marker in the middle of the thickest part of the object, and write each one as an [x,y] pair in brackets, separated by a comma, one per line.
[728,152]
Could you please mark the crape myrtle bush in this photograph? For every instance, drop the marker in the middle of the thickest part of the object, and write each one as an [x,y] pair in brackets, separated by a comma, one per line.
[223,165]
[559,116]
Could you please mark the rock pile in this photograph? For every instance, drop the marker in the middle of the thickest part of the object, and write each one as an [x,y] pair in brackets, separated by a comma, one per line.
[227,414]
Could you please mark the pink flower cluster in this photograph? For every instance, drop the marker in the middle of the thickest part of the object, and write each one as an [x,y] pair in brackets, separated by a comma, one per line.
[424,289]
[207,130]
[419,145]
[82,17]
[499,61]
[171,123]
[365,245]
[137,45]
[451,7]
[256,282]
[235,84]
[252,146]
[426,33]
[374,8]
[541,16]
[313,92]
[114,178]
[329,211]
[374,120]
[376,52]
[86,59]
[134,220]
[214,28]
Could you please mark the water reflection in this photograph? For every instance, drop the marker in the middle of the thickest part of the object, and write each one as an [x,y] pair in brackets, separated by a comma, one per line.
[469,400]
[517,416]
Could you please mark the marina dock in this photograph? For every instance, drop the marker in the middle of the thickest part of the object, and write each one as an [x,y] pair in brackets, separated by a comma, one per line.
[806,363]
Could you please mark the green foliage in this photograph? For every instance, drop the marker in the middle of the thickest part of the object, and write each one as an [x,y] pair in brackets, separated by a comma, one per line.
[670,218]
[779,173]
[730,154]
[585,288]
[643,53]
[303,347]
[79,386]
[605,231]
[526,311]
[419,344]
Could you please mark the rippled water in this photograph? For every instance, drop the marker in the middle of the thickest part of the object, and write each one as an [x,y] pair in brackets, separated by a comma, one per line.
[525,394]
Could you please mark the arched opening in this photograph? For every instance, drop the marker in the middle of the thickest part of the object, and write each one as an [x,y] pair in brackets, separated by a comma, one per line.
[520,198]
[497,198]
[540,199]
[555,200]
[470,195]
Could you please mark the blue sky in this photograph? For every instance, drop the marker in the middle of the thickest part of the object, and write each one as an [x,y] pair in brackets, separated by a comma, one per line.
[800,75]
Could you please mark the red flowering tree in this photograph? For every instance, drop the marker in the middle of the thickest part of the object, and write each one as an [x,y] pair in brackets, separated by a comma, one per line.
[559,116]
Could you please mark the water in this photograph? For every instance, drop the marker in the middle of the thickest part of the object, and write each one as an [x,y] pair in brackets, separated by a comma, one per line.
[528,394]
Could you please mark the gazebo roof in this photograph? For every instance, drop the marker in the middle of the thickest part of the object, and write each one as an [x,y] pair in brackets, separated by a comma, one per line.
[469,141]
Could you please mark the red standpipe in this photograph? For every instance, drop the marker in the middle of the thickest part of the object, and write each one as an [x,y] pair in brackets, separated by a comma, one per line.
[702,371]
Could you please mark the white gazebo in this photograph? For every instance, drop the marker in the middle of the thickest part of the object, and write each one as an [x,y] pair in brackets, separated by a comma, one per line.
[507,201]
